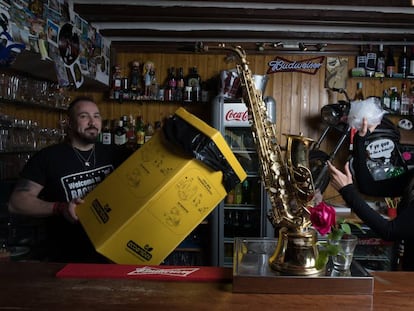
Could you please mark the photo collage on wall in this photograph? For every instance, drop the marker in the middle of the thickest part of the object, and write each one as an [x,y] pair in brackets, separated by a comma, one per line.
[50,28]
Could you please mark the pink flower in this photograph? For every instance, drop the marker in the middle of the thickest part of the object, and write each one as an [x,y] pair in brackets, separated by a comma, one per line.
[322,217]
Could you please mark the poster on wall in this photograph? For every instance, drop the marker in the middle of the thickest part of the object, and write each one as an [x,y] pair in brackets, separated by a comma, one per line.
[102,64]
[68,42]
[38,24]
[9,48]
[336,72]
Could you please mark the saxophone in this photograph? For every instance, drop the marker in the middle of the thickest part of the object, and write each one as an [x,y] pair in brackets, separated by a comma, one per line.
[287,180]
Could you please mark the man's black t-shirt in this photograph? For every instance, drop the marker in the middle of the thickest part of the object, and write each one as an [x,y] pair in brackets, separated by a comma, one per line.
[64,176]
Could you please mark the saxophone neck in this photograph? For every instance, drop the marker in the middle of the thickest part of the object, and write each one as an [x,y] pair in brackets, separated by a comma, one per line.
[237,50]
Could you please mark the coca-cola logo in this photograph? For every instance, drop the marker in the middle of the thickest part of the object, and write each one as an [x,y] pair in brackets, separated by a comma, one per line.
[232,115]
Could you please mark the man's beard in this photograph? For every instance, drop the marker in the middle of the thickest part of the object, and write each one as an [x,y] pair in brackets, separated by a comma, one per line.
[85,138]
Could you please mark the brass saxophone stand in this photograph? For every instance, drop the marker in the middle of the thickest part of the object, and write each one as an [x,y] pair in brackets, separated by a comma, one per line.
[296,253]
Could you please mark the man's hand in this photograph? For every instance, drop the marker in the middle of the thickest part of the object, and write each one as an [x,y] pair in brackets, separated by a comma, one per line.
[67,210]
[339,179]
[72,208]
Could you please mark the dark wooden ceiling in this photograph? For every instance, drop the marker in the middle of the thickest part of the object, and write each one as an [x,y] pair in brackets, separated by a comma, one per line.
[178,25]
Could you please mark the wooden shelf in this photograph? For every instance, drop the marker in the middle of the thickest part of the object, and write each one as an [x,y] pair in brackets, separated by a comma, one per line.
[31,104]
[30,64]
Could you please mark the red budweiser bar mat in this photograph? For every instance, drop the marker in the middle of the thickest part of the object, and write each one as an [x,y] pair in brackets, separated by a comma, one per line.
[158,273]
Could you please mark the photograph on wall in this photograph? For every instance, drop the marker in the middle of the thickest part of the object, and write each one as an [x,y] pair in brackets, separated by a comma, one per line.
[68,44]
[36,7]
[61,73]
[78,22]
[102,63]
[336,72]
[34,44]
[52,33]
[55,6]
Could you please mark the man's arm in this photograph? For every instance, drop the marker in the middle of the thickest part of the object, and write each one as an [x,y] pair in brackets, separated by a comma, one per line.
[24,200]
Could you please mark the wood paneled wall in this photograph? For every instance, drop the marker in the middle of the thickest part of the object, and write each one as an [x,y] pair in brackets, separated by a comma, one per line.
[299,97]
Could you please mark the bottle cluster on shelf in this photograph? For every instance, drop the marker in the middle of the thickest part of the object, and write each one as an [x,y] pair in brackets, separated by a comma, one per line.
[141,83]
[398,101]
[394,100]
[129,131]
[371,63]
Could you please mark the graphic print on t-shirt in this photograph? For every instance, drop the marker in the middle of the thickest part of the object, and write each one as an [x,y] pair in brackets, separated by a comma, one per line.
[80,184]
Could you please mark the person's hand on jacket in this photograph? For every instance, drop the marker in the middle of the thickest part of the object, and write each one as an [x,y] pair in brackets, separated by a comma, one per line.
[365,128]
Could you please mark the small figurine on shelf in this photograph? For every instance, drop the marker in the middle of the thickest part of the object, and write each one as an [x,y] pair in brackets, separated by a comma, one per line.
[148,67]
[154,84]
[135,81]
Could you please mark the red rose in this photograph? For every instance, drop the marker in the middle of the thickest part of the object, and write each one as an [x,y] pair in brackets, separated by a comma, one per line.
[322,217]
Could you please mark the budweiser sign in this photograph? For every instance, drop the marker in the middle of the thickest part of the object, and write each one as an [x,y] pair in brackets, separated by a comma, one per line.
[309,66]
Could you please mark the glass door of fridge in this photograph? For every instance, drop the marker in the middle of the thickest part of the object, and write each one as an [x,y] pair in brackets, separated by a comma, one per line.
[244,208]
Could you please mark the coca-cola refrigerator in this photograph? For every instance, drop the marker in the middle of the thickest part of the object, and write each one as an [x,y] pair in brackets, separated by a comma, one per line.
[243,212]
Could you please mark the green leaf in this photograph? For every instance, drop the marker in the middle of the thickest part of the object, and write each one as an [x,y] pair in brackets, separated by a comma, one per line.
[336,235]
[332,249]
[321,260]
[354,224]
[346,228]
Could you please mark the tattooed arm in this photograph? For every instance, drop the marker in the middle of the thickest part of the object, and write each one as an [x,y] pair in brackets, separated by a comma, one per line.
[24,200]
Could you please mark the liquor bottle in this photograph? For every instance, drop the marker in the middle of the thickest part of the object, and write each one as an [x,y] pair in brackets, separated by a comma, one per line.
[405,101]
[411,62]
[238,194]
[124,92]
[371,62]
[386,100]
[131,134]
[120,137]
[180,85]
[361,58]
[116,82]
[246,192]
[149,131]
[380,69]
[125,123]
[390,63]
[403,62]
[230,197]
[359,95]
[140,132]
[395,100]
[106,133]
[194,81]
[172,83]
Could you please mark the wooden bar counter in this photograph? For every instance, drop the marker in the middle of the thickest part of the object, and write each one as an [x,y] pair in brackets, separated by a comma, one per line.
[34,286]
